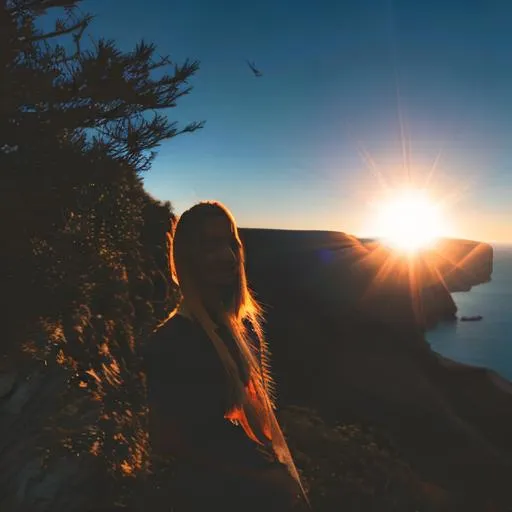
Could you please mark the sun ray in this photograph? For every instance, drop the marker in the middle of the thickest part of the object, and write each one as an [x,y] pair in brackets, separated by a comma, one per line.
[415,289]
[367,158]
[386,263]
[433,169]
[408,220]
[405,141]
[455,261]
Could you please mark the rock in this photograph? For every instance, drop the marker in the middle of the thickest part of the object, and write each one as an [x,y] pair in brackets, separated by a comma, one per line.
[7,381]
[342,271]
[24,391]
[343,330]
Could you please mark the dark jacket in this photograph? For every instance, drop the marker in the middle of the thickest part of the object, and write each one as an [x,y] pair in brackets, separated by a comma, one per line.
[218,466]
[187,396]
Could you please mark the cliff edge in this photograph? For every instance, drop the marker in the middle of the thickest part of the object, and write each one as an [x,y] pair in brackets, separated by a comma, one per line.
[345,320]
[343,271]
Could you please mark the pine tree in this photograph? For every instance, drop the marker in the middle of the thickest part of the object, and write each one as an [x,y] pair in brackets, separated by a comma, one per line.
[77,127]
[83,244]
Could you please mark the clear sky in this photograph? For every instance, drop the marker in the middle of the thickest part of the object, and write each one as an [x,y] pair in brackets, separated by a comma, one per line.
[284,150]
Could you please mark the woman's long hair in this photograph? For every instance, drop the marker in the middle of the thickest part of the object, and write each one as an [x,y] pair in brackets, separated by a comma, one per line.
[252,404]
[242,313]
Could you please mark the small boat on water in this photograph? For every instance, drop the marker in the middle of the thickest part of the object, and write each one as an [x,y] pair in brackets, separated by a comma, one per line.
[471,318]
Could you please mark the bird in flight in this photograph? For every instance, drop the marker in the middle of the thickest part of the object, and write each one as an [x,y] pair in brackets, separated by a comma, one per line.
[256,71]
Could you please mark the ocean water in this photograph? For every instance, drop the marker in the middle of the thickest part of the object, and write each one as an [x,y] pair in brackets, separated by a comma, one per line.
[488,342]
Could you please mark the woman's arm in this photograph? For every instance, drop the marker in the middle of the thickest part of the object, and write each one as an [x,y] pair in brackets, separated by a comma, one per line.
[186,410]
[185,395]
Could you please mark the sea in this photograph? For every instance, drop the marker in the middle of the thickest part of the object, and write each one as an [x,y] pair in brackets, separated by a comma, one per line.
[488,342]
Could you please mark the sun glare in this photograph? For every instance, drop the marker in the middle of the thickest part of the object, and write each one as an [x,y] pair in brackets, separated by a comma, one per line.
[409,220]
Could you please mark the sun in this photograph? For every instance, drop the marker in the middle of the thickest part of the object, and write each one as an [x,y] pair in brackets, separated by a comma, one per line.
[409,220]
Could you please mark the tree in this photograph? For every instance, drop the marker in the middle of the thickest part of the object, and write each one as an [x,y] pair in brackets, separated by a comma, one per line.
[79,123]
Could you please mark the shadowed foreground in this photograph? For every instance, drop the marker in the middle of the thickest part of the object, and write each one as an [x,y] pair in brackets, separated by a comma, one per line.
[376,420]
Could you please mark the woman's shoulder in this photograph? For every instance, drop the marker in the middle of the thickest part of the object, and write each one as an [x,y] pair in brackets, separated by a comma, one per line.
[177,334]
[175,325]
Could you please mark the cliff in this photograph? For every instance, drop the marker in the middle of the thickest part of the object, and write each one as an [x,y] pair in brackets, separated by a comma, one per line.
[463,263]
[342,322]
[396,426]
[342,271]
[343,318]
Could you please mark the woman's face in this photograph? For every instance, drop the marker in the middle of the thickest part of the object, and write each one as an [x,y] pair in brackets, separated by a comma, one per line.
[217,253]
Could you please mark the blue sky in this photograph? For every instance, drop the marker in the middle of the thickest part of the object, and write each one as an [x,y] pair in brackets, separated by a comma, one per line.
[284,150]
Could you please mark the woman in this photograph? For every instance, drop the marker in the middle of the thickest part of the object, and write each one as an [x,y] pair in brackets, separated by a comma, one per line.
[209,389]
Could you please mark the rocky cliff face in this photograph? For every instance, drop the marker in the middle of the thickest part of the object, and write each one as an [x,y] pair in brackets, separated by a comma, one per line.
[30,395]
[463,263]
[342,271]
[344,334]
[343,323]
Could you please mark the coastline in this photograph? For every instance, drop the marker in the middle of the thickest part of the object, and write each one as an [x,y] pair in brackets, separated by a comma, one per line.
[380,417]
[481,344]
[451,420]
[493,376]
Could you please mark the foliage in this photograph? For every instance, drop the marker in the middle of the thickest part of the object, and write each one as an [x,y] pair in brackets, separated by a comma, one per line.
[347,466]
[85,251]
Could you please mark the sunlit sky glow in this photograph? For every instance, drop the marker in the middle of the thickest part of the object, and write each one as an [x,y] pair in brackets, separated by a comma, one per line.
[409,219]
[356,98]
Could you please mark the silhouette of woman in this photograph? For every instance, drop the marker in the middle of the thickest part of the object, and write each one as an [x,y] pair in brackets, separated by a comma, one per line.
[209,387]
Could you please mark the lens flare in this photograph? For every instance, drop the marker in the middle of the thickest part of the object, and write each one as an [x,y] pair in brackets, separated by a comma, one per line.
[409,220]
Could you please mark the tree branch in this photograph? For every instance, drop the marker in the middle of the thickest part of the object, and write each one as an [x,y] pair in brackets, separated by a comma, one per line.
[82,25]
[40,6]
